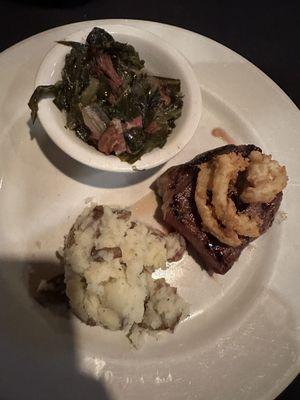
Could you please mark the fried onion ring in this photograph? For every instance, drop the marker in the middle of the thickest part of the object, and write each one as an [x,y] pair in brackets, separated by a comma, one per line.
[266,179]
[242,223]
[227,166]
[209,222]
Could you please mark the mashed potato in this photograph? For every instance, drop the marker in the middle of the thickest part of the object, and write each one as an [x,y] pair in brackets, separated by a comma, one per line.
[109,259]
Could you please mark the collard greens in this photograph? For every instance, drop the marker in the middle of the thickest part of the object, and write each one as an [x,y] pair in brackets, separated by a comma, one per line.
[109,99]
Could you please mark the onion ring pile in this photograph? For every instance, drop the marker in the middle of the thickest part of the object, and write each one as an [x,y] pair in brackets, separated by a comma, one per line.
[266,178]
[219,214]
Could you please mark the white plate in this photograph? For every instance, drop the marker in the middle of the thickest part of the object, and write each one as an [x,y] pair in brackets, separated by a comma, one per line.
[242,339]
[161,59]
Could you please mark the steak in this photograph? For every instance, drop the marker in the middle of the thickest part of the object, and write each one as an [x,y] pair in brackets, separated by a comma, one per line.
[176,187]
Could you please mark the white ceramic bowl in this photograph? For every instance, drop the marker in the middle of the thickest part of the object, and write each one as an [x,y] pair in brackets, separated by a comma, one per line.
[160,59]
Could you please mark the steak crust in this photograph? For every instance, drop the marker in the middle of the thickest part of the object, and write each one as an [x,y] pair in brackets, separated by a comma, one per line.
[176,187]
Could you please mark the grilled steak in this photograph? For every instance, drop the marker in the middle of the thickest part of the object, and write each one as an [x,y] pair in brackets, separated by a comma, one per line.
[176,187]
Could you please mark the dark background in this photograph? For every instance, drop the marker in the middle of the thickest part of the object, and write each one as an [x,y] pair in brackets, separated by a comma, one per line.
[267,33]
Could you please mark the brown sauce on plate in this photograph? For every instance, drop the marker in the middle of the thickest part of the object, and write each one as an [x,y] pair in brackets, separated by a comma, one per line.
[221,134]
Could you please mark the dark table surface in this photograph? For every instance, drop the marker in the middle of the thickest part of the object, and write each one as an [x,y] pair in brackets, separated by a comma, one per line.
[266,33]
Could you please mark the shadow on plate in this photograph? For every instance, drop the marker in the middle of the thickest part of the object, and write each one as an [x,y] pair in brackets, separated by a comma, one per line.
[39,348]
[82,173]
